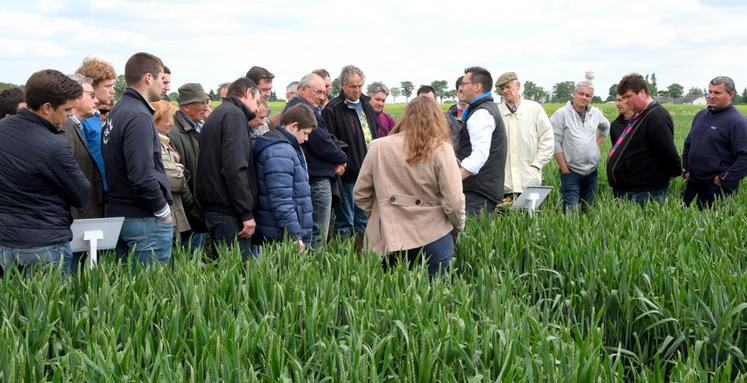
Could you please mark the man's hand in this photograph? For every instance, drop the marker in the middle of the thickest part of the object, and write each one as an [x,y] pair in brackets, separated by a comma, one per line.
[340,169]
[465,173]
[600,138]
[301,246]
[248,229]
[717,181]
[686,175]
[167,219]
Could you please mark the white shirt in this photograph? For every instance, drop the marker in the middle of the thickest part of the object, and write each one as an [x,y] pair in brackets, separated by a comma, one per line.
[480,126]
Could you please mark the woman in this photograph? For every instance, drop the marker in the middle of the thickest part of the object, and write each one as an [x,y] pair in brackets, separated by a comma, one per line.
[164,120]
[410,188]
[378,93]
[618,125]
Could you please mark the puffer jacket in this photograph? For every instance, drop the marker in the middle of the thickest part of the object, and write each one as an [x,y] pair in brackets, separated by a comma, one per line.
[284,194]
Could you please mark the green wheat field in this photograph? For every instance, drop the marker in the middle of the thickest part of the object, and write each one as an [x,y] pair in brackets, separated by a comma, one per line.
[620,294]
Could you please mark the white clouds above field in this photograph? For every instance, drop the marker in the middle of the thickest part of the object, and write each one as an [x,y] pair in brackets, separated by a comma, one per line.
[544,41]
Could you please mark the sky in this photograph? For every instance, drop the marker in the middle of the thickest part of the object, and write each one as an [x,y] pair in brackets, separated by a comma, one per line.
[544,41]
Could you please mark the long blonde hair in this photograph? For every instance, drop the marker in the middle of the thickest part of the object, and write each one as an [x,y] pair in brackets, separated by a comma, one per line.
[425,128]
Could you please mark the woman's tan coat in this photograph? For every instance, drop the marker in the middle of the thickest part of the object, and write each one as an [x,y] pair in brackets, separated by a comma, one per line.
[408,206]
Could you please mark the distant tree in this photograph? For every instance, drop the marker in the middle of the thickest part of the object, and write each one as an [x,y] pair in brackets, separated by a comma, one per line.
[173,96]
[407,88]
[450,95]
[597,100]
[612,93]
[533,92]
[675,90]
[744,96]
[561,92]
[119,87]
[336,87]
[695,92]
[395,93]
[652,89]
[273,96]
[440,86]
[7,85]
[663,93]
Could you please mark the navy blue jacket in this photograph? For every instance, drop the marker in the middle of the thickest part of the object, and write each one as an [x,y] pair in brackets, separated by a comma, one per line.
[717,146]
[40,181]
[322,153]
[138,186]
[284,201]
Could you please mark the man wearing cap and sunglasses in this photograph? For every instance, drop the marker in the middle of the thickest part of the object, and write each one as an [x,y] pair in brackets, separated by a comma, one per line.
[530,138]
[194,105]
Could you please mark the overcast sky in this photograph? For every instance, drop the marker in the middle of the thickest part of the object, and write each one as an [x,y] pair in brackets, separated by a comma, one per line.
[683,41]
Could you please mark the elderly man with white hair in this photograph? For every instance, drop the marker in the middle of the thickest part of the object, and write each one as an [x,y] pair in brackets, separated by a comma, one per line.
[578,128]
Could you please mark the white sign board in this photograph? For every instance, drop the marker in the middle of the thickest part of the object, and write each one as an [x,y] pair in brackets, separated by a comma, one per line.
[95,233]
[532,198]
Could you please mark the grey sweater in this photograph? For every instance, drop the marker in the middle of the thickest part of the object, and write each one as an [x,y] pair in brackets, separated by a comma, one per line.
[576,138]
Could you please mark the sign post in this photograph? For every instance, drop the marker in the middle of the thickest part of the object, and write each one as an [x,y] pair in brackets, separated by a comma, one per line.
[94,234]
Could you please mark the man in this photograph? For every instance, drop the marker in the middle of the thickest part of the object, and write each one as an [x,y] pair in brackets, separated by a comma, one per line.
[482,143]
[529,134]
[85,107]
[39,176]
[227,186]
[324,74]
[456,109]
[139,190]
[714,159]
[11,102]
[259,124]
[185,138]
[579,128]
[291,90]
[166,84]
[263,78]
[223,90]
[454,126]
[644,158]
[103,75]
[324,158]
[350,118]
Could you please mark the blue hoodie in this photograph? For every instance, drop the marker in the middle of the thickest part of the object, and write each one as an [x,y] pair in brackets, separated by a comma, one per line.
[284,194]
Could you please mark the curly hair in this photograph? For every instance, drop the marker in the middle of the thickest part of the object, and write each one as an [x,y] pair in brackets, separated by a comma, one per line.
[164,109]
[425,128]
[97,70]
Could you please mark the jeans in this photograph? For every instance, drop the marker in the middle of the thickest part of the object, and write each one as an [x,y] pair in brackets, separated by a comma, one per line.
[224,228]
[578,189]
[149,240]
[348,216]
[27,259]
[705,191]
[437,253]
[321,199]
[193,241]
[641,197]
[475,203]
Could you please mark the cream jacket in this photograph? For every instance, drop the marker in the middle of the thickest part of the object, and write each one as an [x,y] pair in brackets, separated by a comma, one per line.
[530,145]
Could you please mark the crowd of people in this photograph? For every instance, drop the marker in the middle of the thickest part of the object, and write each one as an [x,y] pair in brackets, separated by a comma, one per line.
[326,164]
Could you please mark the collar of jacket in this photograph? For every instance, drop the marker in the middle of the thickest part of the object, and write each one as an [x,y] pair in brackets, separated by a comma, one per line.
[38,120]
[132,93]
[485,97]
[283,134]
[183,122]
[240,104]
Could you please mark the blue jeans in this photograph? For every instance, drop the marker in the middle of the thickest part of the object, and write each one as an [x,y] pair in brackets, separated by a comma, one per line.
[348,216]
[437,253]
[193,241]
[47,256]
[149,240]
[705,191]
[224,229]
[321,199]
[641,198]
[578,189]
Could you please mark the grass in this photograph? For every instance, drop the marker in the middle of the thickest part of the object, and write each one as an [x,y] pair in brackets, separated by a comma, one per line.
[623,293]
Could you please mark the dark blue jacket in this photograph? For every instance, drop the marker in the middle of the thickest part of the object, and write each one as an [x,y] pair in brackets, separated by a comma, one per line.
[40,181]
[717,146]
[322,153]
[284,203]
[342,121]
[138,186]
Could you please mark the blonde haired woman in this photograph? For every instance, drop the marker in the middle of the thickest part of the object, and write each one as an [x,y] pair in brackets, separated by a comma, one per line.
[164,119]
[410,187]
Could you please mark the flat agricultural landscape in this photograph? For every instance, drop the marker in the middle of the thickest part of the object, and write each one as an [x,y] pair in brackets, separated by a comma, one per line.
[622,293]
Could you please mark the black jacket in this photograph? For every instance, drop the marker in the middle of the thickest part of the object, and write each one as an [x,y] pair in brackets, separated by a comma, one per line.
[489,181]
[321,151]
[94,208]
[138,186]
[343,123]
[40,181]
[186,141]
[647,157]
[226,181]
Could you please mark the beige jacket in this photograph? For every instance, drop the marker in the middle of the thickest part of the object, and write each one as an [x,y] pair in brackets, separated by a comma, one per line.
[408,206]
[530,145]
[175,172]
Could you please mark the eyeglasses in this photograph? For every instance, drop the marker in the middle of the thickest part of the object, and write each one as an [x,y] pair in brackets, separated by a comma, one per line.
[91,93]
[103,112]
